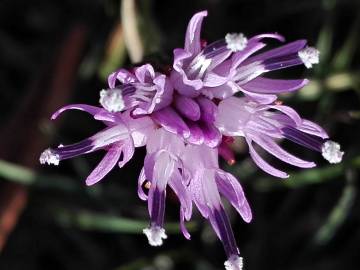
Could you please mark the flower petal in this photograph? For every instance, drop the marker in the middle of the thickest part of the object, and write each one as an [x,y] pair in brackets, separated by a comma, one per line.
[262,164]
[192,37]
[105,165]
[183,229]
[197,194]
[179,78]
[287,49]
[182,193]
[273,148]
[196,134]
[141,181]
[171,121]
[289,112]
[122,75]
[231,189]
[140,128]
[81,107]
[187,107]
[145,72]
[241,56]
[128,151]
[268,35]
[312,128]
[212,136]
[271,86]
[260,98]
[208,109]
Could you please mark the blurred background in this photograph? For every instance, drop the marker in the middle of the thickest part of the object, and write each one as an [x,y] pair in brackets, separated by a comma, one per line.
[57,52]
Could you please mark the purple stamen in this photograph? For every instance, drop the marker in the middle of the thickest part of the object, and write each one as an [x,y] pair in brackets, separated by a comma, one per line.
[215,48]
[158,208]
[301,138]
[74,150]
[226,233]
[282,62]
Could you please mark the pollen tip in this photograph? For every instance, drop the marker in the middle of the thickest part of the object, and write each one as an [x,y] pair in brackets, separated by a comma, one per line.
[309,56]
[112,100]
[331,152]
[235,262]
[236,41]
[49,157]
[155,235]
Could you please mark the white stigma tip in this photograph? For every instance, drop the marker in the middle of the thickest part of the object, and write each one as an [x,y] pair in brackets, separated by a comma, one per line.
[234,263]
[49,157]
[112,100]
[309,56]
[331,152]
[236,42]
[155,235]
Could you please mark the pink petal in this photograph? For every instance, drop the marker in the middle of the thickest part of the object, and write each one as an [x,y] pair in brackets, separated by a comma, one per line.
[273,148]
[231,189]
[262,164]
[105,165]
[192,37]
[171,121]
[271,86]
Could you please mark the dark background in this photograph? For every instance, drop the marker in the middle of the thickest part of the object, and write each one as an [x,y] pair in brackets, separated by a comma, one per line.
[57,52]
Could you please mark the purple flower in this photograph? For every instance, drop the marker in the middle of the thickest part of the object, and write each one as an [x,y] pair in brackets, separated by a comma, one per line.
[263,124]
[189,118]
[207,183]
[143,91]
[119,138]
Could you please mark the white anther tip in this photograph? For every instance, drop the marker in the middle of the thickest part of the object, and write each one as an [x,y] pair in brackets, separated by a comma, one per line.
[49,157]
[234,263]
[155,235]
[112,100]
[331,152]
[236,42]
[309,56]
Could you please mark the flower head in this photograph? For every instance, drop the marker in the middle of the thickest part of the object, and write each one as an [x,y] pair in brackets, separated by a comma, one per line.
[186,119]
